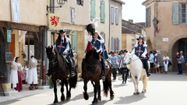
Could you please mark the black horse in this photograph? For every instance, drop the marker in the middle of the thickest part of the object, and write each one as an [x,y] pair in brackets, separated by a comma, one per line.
[91,71]
[60,71]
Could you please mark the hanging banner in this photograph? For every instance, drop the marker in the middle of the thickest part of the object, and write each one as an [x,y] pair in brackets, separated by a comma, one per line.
[15,10]
[54,21]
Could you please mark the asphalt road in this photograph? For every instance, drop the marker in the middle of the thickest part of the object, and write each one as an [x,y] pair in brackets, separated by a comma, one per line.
[163,89]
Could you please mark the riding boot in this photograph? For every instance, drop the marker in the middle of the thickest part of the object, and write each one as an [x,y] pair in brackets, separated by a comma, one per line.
[71,67]
[103,70]
[147,72]
[145,65]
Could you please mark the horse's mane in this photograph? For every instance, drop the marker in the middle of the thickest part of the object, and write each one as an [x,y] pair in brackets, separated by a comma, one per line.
[92,55]
[61,60]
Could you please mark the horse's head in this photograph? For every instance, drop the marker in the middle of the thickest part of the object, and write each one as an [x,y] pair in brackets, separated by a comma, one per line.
[130,57]
[92,53]
[49,51]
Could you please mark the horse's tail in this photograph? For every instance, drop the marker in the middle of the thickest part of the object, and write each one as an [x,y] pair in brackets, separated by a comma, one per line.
[106,86]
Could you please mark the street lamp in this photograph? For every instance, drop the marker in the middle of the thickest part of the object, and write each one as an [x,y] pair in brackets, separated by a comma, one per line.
[59,2]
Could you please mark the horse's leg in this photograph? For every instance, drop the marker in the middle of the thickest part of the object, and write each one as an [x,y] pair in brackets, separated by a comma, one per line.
[144,80]
[135,84]
[86,97]
[55,91]
[96,86]
[68,91]
[99,92]
[110,87]
[62,91]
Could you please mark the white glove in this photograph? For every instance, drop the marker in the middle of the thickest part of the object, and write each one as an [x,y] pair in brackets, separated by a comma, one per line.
[65,52]
[143,55]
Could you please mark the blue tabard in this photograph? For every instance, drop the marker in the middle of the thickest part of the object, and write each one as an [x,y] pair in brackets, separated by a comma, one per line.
[62,49]
[96,43]
[139,50]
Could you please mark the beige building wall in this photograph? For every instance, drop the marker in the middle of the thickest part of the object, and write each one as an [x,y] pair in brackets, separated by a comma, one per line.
[167,30]
[5,10]
[167,39]
[81,12]
[103,27]
[131,39]
[124,39]
[31,11]
[115,30]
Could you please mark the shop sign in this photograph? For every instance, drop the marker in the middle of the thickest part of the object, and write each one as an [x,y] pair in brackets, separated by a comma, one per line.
[54,21]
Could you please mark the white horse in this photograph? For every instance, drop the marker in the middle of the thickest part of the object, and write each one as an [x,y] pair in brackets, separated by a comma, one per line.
[137,71]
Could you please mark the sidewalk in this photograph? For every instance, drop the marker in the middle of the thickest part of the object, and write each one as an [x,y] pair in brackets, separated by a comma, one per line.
[24,93]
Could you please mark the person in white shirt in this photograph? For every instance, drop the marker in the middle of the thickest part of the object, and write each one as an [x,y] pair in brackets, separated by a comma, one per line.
[32,74]
[14,73]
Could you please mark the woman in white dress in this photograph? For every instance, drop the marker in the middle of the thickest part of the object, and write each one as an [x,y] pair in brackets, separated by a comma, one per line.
[14,73]
[32,74]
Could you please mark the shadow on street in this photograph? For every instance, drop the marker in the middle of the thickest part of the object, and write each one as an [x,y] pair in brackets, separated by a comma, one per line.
[130,99]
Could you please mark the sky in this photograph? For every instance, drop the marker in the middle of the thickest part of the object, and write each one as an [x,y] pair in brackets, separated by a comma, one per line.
[133,9]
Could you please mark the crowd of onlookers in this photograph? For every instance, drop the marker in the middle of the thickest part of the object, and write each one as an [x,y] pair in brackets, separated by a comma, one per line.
[158,63]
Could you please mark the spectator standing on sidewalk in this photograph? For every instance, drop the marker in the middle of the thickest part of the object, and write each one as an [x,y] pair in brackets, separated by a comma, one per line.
[14,74]
[32,74]
[21,75]
[180,62]
[114,63]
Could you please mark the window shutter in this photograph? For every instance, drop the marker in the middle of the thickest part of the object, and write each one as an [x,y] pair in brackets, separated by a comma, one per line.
[102,11]
[112,15]
[74,40]
[93,11]
[175,13]
[116,16]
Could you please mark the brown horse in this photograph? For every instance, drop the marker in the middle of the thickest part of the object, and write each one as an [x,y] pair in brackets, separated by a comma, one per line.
[91,71]
[60,71]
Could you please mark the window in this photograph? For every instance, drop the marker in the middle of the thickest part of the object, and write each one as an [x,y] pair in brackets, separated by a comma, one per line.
[72,10]
[52,4]
[179,13]
[80,2]
[116,16]
[92,10]
[148,17]
[102,11]
[112,15]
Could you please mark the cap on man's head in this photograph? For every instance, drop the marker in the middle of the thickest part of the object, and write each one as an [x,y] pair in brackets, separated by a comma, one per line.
[61,31]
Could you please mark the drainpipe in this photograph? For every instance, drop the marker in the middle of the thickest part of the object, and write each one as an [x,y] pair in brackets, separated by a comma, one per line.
[109,29]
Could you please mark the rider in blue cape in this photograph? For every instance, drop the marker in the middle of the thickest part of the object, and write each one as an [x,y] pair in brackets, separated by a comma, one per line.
[96,41]
[63,46]
[140,50]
